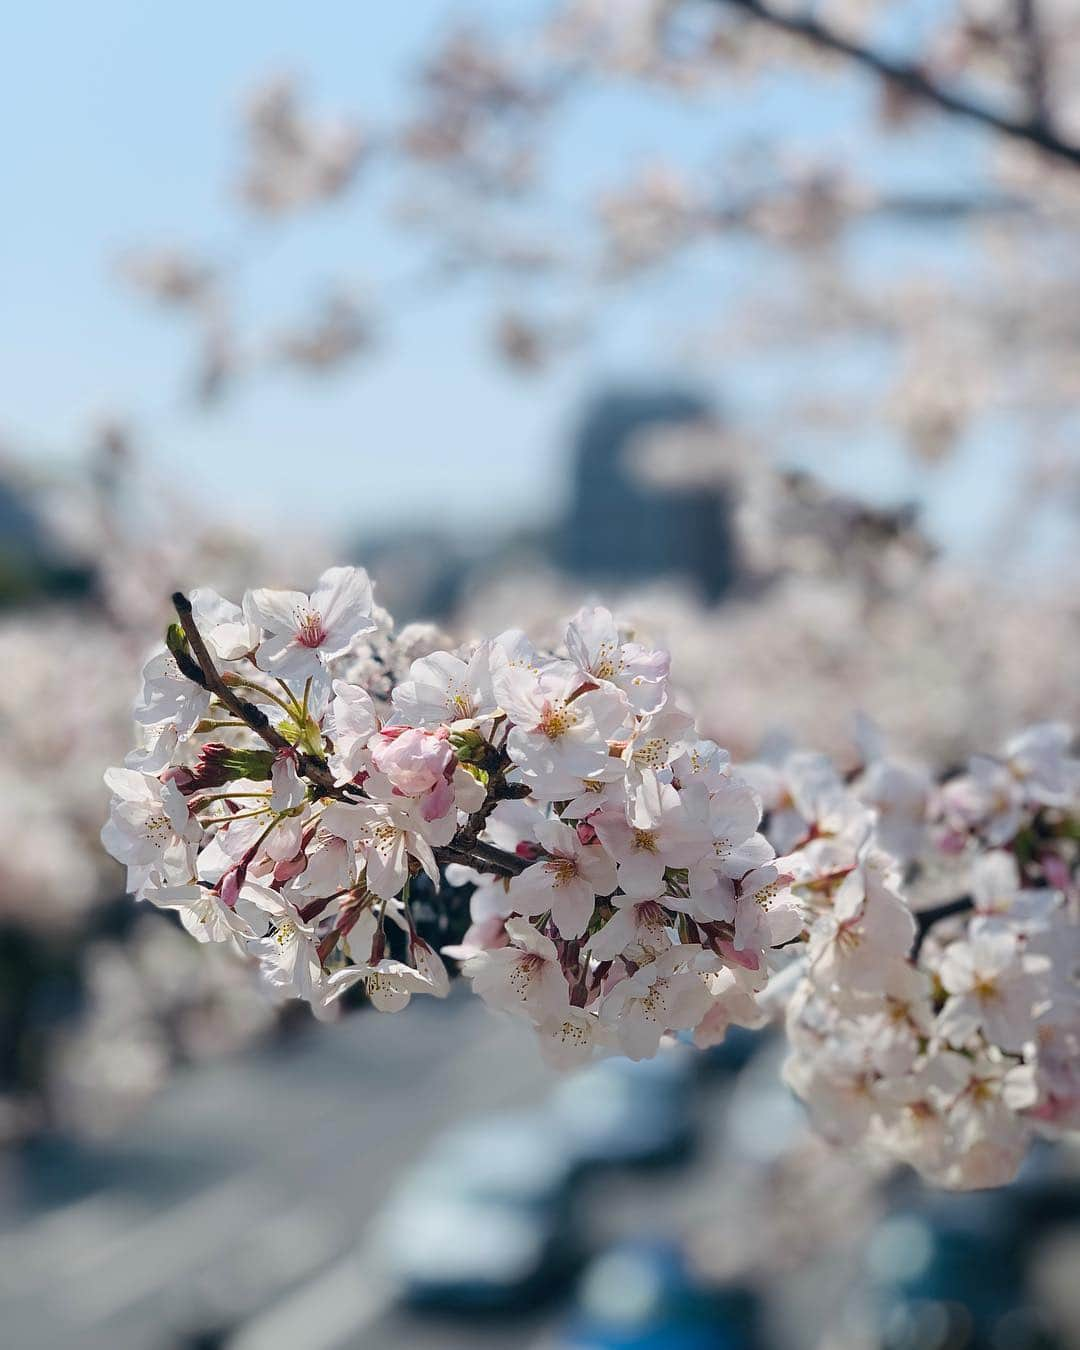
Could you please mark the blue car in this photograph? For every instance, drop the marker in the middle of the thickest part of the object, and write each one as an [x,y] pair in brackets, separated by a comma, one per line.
[643,1296]
[625,1114]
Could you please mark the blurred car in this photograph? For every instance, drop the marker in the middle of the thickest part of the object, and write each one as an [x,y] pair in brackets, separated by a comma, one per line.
[952,1275]
[733,1053]
[483,1222]
[625,1114]
[644,1296]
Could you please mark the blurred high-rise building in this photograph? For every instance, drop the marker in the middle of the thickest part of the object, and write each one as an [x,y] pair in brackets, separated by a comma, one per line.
[622,527]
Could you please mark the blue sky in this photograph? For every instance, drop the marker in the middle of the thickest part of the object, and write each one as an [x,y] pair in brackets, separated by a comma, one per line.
[119,129]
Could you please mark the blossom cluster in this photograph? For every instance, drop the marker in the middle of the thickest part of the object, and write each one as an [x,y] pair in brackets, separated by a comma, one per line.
[295,788]
[946,1034]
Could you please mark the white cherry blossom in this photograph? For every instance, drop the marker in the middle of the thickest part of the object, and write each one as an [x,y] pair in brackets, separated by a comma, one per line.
[565,881]
[304,631]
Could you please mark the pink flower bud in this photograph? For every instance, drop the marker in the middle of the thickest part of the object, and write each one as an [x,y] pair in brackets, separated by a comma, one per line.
[1057,871]
[438,801]
[285,871]
[229,886]
[414,760]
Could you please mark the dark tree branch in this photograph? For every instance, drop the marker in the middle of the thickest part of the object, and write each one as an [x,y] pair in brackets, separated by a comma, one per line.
[493,860]
[465,848]
[308,765]
[925,919]
[1035,129]
[1033,69]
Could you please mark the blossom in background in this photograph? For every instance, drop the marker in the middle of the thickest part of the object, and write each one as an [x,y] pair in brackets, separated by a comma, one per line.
[993,987]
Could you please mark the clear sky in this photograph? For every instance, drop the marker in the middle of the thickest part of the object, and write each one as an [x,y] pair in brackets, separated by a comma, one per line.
[119,128]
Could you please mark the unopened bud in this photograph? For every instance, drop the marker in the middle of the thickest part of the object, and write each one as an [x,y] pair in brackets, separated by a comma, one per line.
[220,764]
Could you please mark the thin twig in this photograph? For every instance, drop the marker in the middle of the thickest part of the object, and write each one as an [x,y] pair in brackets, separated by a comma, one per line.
[308,765]
[925,919]
[1033,57]
[1034,129]
[464,848]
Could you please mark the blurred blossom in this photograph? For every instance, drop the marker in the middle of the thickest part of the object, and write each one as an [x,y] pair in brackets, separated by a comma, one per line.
[144,1003]
[294,159]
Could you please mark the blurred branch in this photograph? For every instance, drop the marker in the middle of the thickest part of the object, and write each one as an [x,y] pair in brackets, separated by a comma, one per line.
[1033,71]
[915,208]
[1035,130]
[925,919]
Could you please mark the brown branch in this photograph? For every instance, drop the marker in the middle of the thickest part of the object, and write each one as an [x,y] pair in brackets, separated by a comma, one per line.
[925,919]
[308,765]
[465,848]
[1035,129]
[1033,58]
[495,861]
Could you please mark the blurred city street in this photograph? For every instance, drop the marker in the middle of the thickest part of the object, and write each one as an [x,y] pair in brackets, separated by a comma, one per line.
[244,1192]
[240,1208]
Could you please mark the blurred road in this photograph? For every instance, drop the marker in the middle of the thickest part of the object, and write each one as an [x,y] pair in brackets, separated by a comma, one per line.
[237,1210]
[242,1195]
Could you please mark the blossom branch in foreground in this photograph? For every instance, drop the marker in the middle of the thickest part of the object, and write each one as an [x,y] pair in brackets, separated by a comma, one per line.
[206,674]
[625,878]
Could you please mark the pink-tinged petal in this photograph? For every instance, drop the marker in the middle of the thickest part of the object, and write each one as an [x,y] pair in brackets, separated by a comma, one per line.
[571,909]
[283,656]
[276,611]
[343,600]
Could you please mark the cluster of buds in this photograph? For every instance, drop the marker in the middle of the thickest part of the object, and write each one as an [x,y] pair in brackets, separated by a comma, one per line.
[293,795]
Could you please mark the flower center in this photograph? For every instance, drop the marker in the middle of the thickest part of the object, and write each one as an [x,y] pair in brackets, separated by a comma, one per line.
[767,895]
[606,666]
[556,719]
[461,704]
[522,972]
[653,754]
[572,1033]
[653,1005]
[309,629]
[158,828]
[643,841]
[562,870]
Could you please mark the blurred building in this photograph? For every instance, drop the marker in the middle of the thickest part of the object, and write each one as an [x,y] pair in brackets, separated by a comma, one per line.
[621,527]
[31,561]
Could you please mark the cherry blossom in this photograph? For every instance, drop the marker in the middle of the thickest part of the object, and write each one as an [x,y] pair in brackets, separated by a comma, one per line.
[624,884]
[524,977]
[565,881]
[594,644]
[303,631]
